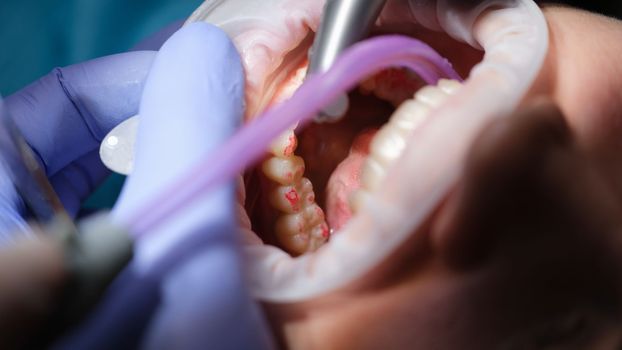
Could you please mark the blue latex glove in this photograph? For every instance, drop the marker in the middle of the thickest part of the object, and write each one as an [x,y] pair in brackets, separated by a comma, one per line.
[193,101]
[63,117]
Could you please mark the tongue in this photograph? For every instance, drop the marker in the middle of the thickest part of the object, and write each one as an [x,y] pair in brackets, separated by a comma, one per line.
[345,180]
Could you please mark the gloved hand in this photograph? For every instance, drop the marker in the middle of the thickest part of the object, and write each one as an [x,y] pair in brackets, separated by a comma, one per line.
[63,117]
[187,273]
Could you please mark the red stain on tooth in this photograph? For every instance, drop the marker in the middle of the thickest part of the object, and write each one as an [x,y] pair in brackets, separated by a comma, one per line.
[293,199]
[291,146]
[325,231]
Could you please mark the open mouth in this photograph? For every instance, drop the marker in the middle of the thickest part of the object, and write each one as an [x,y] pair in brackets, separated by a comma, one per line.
[358,189]
[313,180]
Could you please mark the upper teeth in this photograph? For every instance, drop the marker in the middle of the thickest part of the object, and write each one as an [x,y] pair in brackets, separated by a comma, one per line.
[392,139]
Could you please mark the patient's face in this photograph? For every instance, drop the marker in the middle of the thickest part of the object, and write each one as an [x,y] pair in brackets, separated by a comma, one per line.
[527,251]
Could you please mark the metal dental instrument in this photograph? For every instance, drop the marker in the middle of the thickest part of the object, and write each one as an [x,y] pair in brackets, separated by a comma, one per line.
[343,23]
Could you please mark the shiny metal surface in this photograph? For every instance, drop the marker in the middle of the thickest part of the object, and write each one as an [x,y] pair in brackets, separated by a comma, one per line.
[344,22]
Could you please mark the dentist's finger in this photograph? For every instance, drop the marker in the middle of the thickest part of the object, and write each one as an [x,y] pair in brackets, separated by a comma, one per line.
[65,114]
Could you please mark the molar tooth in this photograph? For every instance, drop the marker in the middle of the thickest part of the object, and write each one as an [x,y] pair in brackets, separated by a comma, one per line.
[291,199]
[284,145]
[296,244]
[302,232]
[313,215]
[284,171]
[291,224]
[431,95]
[372,174]
[319,235]
[449,86]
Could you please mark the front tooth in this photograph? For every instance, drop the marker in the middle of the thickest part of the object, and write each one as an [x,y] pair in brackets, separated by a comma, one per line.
[284,171]
[431,95]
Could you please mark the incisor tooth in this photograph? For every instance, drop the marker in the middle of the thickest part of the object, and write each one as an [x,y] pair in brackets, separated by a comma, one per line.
[284,171]
[431,95]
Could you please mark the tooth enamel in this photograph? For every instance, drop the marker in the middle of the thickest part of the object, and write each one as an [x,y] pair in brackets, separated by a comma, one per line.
[301,226]
[387,145]
[449,86]
[358,199]
[410,115]
[302,232]
[431,96]
[284,171]
[285,145]
[291,199]
[372,174]
[391,140]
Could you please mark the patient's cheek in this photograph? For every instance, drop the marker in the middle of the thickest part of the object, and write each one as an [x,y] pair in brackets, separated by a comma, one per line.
[583,74]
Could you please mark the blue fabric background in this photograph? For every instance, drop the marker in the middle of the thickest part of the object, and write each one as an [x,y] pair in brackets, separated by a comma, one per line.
[38,35]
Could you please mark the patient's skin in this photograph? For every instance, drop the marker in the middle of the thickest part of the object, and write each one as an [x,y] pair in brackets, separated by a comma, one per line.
[526,253]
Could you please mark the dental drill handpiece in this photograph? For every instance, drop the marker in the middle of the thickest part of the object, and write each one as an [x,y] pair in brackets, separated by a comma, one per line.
[343,23]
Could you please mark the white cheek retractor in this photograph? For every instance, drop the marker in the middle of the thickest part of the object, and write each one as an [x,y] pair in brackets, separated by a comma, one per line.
[514,35]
